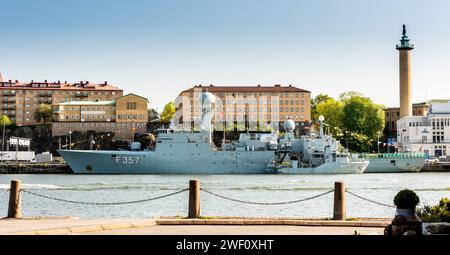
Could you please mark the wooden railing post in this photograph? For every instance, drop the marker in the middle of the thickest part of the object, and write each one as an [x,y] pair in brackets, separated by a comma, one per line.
[194,199]
[339,201]
[14,210]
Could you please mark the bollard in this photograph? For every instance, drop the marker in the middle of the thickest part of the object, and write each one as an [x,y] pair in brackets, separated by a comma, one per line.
[14,210]
[194,199]
[339,201]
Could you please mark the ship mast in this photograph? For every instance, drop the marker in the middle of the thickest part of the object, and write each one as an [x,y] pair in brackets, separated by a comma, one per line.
[207,100]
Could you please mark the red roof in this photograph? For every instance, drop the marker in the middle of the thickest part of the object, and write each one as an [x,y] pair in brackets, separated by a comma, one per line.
[259,88]
[33,85]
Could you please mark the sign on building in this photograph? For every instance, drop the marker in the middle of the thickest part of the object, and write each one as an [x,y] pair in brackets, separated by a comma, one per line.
[22,141]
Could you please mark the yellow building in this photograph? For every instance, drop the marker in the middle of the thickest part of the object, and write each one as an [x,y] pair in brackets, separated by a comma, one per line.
[132,108]
[85,111]
[123,117]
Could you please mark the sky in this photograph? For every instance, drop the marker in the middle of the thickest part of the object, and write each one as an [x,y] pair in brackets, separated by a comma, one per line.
[157,48]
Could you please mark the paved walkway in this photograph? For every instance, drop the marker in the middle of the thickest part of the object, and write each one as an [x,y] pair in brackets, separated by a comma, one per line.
[57,226]
[173,226]
[243,230]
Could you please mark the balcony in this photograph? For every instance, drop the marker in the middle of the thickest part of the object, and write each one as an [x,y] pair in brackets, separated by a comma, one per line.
[9,93]
[84,94]
[404,46]
[45,94]
[45,100]
[427,142]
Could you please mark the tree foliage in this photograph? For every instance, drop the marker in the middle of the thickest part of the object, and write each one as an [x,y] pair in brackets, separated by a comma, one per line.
[4,120]
[168,113]
[332,111]
[152,114]
[353,118]
[436,213]
[321,98]
[44,113]
[362,116]
[406,199]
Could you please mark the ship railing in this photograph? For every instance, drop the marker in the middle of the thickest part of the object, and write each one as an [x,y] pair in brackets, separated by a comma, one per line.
[213,147]
[400,155]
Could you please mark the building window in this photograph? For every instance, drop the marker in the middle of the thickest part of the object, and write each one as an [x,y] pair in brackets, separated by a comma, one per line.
[132,105]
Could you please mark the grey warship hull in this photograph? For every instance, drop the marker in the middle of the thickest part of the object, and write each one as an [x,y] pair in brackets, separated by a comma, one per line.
[152,162]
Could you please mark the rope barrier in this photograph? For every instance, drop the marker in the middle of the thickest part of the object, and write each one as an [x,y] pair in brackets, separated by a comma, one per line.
[100,203]
[267,203]
[369,200]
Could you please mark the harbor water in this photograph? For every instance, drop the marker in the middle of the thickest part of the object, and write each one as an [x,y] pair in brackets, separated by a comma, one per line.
[430,187]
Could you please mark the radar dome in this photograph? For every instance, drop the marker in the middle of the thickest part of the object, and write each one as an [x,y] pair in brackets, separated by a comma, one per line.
[208,98]
[289,125]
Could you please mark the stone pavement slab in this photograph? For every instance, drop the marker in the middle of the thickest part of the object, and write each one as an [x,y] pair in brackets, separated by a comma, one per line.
[243,230]
[70,225]
[41,226]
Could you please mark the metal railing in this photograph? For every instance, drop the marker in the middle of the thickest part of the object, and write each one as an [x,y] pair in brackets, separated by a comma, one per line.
[14,206]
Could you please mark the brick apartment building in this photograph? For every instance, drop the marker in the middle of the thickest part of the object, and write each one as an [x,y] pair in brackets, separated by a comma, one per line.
[273,103]
[19,100]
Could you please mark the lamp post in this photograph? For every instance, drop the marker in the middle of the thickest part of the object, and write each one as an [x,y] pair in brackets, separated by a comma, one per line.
[3,138]
[70,140]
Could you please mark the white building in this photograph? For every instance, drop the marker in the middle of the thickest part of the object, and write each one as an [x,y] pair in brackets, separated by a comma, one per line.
[428,134]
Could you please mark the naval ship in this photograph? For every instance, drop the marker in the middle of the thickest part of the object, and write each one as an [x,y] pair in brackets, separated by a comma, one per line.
[313,154]
[394,162]
[179,151]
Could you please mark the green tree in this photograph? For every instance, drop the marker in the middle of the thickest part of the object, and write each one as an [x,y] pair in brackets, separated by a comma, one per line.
[168,113]
[44,113]
[321,98]
[332,111]
[152,114]
[349,94]
[5,121]
[353,118]
[363,119]
[363,116]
